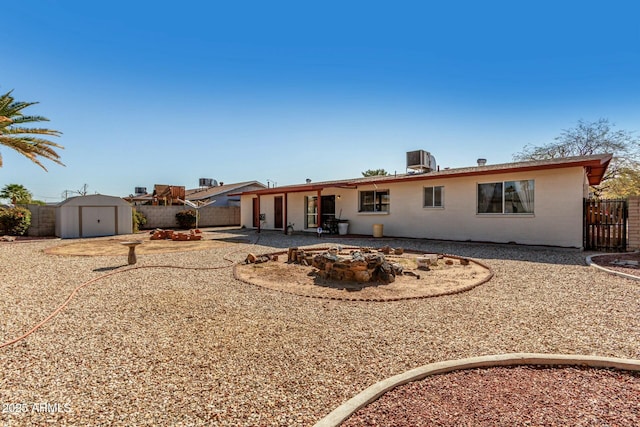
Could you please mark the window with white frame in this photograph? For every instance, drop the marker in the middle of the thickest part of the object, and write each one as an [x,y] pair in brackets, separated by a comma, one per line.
[433,197]
[374,201]
[507,197]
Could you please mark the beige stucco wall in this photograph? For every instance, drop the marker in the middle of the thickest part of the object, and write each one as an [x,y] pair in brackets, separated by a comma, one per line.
[557,219]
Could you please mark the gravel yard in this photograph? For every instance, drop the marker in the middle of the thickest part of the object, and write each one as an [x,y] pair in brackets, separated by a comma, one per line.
[178,341]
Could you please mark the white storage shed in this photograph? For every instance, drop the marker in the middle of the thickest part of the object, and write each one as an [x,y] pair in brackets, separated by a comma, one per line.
[93,216]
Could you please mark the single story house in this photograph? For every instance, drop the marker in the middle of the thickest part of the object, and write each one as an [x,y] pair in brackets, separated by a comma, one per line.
[92,216]
[532,202]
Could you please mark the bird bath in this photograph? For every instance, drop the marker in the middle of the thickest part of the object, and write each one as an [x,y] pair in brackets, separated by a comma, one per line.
[132,250]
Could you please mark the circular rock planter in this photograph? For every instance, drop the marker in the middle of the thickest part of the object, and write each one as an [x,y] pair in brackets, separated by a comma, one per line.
[446,274]
[621,264]
[508,389]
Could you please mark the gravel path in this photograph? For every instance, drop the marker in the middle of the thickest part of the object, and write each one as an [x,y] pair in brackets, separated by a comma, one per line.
[176,346]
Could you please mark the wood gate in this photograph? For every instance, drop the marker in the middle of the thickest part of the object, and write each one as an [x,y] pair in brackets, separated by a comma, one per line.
[605,224]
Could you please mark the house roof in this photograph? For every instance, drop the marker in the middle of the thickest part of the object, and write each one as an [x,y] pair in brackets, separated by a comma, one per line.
[200,193]
[595,167]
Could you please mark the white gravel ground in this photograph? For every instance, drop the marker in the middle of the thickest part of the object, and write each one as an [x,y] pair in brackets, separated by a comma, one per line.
[185,347]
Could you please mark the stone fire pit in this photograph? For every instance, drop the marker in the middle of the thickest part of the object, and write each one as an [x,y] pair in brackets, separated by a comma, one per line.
[358,266]
[362,274]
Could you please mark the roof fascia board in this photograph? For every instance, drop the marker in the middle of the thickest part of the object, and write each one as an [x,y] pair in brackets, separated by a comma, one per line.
[598,164]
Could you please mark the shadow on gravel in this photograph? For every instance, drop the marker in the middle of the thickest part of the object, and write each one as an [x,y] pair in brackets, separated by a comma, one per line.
[277,240]
[103,269]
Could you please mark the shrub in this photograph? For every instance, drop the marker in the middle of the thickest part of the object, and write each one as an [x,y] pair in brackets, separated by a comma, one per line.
[187,218]
[139,220]
[14,221]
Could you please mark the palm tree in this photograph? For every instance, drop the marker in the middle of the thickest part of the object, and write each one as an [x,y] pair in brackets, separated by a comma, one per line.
[16,193]
[19,138]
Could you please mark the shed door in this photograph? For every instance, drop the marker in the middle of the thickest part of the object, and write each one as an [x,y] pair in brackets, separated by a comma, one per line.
[98,221]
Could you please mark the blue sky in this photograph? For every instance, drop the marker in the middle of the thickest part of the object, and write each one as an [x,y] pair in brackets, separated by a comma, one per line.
[165,93]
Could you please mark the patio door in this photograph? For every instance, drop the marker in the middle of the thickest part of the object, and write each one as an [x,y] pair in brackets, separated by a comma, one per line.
[311,212]
[277,212]
[328,208]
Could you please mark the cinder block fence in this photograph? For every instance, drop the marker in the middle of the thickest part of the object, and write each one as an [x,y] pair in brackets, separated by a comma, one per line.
[209,216]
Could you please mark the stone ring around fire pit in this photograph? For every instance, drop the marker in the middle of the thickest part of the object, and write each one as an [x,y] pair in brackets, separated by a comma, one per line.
[363,274]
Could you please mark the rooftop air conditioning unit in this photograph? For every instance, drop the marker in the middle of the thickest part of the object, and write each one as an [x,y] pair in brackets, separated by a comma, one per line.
[420,161]
[140,190]
[207,182]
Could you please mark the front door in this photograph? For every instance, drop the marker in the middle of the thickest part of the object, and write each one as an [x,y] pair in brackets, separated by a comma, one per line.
[256,213]
[277,212]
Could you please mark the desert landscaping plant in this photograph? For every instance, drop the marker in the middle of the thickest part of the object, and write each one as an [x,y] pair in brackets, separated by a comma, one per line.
[139,220]
[14,221]
[187,218]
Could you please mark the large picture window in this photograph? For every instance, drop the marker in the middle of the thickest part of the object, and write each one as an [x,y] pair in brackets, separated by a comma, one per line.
[374,201]
[433,197]
[508,197]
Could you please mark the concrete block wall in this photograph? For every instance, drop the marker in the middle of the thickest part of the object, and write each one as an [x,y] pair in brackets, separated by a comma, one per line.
[43,221]
[633,225]
[210,216]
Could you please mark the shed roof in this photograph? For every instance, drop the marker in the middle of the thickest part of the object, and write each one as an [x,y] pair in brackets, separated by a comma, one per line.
[94,200]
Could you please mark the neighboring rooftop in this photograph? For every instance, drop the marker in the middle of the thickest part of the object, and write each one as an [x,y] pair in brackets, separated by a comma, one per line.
[207,192]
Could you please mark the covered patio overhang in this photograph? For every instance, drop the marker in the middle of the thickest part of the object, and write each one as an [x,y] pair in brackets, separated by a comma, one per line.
[302,188]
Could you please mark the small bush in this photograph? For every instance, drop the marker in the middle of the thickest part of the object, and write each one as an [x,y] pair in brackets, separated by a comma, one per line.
[139,220]
[14,221]
[186,218]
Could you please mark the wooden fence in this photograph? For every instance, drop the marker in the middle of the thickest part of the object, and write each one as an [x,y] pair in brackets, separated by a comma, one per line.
[605,224]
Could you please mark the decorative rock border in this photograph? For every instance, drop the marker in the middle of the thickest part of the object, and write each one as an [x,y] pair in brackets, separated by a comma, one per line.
[344,411]
[591,263]
[452,292]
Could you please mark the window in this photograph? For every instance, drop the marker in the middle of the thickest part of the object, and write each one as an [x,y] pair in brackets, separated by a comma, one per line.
[311,212]
[374,201]
[433,197]
[508,197]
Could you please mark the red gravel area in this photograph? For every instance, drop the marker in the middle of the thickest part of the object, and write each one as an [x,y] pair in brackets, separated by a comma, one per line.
[606,260]
[508,396]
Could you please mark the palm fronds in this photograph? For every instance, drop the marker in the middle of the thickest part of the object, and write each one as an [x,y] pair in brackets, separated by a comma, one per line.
[18,137]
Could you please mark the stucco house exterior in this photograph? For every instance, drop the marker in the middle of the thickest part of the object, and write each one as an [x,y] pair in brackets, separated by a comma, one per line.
[534,203]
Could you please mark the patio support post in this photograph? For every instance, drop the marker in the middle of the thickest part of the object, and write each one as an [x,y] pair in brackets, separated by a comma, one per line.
[259,220]
[319,202]
[286,218]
